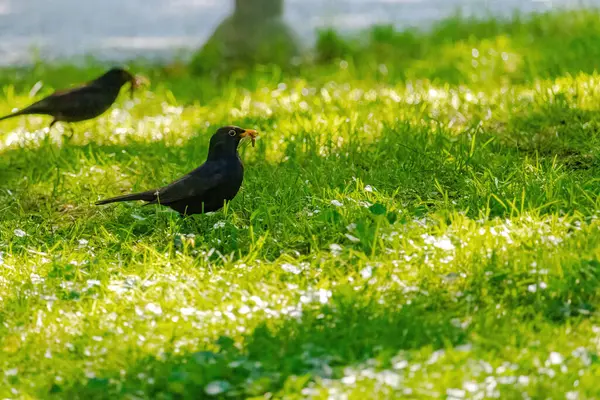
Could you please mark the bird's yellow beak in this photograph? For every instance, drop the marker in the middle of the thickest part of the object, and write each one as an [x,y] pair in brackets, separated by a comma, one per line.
[250,133]
[136,82]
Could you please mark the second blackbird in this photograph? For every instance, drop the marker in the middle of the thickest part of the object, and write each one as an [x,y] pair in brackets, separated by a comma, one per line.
[84,102]
[209,186]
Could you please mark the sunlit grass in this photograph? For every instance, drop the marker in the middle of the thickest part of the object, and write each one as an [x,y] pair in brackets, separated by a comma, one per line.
[414,222]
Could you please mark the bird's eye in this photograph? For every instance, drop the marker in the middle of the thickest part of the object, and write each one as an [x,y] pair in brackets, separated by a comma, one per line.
[232,133]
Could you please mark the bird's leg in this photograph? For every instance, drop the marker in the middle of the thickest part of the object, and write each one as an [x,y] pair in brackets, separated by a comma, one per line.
[69,127]
[71,133]
[184,214]
[57,181]
[71,130]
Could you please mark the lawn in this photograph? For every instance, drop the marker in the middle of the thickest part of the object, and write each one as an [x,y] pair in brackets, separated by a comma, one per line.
[419,219]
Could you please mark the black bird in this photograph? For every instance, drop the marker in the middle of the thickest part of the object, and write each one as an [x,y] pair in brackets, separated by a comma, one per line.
[83,102]
[209,186]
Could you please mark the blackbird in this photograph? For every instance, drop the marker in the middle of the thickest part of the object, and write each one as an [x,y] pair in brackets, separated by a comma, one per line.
[209,186]
[83,102]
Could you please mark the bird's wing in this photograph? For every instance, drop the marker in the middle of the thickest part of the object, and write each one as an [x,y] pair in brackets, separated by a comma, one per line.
[82,97]
[72,89]
[194,184]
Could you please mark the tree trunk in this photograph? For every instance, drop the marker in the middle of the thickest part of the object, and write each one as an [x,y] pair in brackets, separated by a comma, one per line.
[259,9]
[254,34]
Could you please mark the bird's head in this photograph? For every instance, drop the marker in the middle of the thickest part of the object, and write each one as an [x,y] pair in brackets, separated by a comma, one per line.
[227,139]
[118,77]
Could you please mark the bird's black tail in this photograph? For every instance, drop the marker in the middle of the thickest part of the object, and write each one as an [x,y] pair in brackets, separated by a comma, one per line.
[15,114]
[146,196]
[42,107]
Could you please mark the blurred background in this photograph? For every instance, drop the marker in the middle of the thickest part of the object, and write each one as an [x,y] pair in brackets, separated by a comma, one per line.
[118,30]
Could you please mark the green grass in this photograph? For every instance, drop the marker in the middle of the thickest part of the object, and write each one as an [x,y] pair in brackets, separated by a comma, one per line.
[418,220]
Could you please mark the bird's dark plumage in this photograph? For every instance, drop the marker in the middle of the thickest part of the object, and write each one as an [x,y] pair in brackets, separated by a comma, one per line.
[84,102]
[206,188]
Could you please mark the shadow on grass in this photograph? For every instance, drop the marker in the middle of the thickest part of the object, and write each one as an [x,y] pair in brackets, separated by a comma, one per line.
[545,161]
[555,130]
[528,295]
[281,356]
[284,354]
